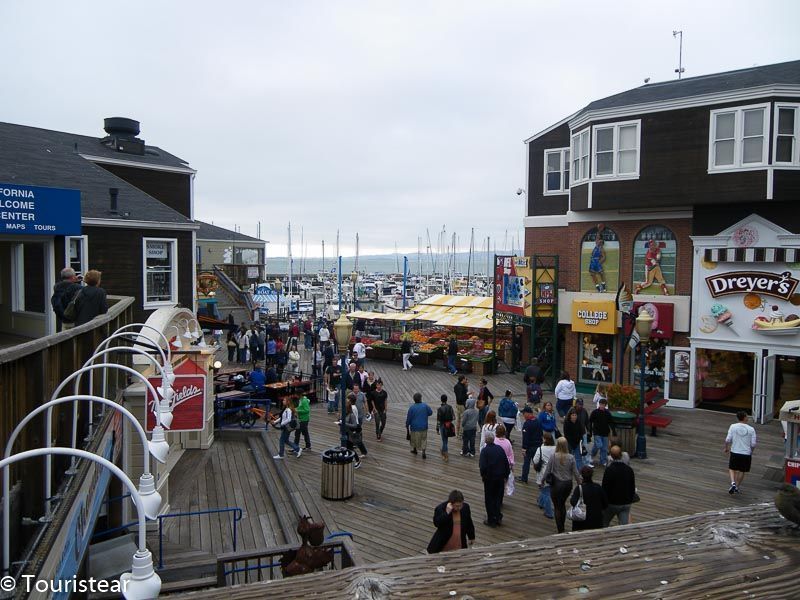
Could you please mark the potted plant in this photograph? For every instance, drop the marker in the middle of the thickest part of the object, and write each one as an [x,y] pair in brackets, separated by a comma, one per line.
[623,397]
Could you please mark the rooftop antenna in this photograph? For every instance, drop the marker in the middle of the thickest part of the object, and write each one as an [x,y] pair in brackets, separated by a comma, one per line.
[680,69]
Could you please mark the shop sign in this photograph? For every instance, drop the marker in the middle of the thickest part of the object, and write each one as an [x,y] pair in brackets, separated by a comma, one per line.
[157,250]
[27,209]
[792,472]
[512,285]
[777,285]
[188,404]
[663,314]
[594,317]
[252,272]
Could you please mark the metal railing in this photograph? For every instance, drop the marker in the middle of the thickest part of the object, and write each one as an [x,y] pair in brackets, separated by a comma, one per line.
[265,565]
[244,299]
[236,517]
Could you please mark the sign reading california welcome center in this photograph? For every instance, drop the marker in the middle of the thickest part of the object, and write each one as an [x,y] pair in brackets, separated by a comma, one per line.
[27,209]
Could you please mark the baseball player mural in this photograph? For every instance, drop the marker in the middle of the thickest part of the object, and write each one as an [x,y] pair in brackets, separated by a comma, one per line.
[654,261]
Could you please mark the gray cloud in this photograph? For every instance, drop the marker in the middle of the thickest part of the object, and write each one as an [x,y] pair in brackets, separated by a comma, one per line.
[382,118]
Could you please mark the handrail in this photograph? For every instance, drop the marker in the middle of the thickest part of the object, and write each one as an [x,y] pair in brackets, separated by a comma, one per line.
[243,298]
[237,516]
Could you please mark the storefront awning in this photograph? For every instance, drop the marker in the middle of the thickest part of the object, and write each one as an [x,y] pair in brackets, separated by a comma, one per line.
[479,321]
[750,255]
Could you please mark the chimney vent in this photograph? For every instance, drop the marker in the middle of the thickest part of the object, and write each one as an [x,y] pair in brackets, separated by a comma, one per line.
[112,194]
[121,135]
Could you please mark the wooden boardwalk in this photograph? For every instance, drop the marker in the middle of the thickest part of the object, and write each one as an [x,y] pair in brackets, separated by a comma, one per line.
[743,552]
[390,514]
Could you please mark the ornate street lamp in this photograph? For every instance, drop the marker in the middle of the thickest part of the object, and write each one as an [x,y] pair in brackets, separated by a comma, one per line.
[644,325]
[342,329]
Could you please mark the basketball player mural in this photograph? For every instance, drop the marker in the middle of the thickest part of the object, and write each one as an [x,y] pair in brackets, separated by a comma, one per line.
[652,268]
[596,261]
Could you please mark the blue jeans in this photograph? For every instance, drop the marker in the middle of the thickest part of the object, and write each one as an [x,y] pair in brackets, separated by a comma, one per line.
[545,501]
[443,435]
[526,463]
[576,452]
[451,364]
[600,445]
[468,441]
[285,441]
[308,341]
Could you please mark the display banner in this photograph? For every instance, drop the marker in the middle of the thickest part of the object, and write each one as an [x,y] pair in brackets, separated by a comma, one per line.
[188,405]
[512,285]
[28,209]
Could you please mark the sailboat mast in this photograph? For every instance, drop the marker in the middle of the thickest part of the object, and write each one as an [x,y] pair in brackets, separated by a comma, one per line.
[291,260]
[469,258]
[323,261]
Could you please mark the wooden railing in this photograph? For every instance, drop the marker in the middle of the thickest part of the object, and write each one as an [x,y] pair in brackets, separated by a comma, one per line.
[265,565]
[29,373]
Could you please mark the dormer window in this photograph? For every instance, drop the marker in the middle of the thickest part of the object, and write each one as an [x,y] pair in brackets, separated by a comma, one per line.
[738,138]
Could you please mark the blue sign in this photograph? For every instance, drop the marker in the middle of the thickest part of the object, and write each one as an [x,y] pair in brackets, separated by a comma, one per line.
[27,209]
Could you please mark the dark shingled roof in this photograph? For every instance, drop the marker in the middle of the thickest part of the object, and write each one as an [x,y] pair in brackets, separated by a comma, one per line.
[781,73]
[208,231]
[41,157]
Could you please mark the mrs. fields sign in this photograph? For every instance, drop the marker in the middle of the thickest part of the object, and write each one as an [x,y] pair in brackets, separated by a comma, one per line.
[777,285]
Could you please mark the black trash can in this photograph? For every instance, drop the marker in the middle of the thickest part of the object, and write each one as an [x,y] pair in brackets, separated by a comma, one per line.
[624,422]
[338,473]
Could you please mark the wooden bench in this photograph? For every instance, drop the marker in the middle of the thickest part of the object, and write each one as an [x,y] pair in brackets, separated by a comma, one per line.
[652,404]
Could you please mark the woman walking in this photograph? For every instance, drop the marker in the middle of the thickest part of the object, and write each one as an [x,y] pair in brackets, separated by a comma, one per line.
[594,498]
[485,396]
[565,394]
[489,425]
[508,409]
[574,431]
[543,455]
[563,470]
[284,423]
[444,424]
[453,521]
[303,417]
[230,343]
[548,420]
[354,438]
[405,350]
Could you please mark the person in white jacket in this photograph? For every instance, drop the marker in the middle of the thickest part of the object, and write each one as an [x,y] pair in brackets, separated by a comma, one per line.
[543,455]
[565,394]
[284,424]
[740,442]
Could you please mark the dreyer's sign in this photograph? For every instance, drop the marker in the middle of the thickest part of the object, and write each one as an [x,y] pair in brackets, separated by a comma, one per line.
[777,285]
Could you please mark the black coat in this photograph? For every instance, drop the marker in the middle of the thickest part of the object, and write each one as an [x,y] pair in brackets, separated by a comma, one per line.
[619,483]
[595,500]
[90,303]
[573,432]
[494,463]
[444,527]
[460,390]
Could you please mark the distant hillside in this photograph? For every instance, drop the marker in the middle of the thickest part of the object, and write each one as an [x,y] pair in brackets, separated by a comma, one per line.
[381,263]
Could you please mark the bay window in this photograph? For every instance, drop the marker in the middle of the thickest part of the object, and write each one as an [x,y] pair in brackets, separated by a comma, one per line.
[580,157]
[787,132]
[616,150]
[738,137]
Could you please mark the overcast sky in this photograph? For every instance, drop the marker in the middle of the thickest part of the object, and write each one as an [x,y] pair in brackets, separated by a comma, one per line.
[382,118]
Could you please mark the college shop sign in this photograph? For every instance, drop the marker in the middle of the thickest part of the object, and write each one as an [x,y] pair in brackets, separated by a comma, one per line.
[594,317]
[27,209]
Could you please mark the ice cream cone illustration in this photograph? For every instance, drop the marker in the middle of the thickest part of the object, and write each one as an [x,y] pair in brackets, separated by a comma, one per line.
[723,316]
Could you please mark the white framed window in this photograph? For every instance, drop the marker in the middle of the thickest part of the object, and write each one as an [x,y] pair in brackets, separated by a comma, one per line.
[556,171]
[76,253]
[579,154]
[738,137]
[616,150]
[160,268]
[787,134]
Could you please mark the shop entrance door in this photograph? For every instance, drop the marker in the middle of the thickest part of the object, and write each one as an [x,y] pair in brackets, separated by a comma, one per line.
[764,399]
[679,376]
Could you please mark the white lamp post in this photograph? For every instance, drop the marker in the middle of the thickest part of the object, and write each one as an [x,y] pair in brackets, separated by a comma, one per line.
[147,489]
[644,326]
[142,583]
[158,431]
[177,343]
[149,327]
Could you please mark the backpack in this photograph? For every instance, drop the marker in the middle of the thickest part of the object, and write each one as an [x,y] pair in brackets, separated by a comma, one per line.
[57,301]
[71,310]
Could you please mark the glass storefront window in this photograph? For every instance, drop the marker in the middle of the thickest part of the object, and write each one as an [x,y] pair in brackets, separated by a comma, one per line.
[596,361]
[655,359]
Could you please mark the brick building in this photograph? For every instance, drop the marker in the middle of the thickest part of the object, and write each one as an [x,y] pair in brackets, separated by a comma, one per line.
[629,189]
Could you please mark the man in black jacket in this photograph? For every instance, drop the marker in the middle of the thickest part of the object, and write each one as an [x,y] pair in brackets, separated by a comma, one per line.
[600,425]
[494,472]
[619,484]
[443,520]
[63,293]
[531,440]
[461,392]
[452,354]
